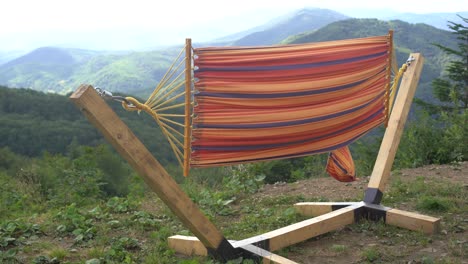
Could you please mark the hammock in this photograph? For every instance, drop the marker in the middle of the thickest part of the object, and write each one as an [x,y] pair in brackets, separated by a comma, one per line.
[254,104]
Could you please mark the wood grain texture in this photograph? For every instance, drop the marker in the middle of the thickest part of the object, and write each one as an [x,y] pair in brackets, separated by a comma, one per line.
[301,231]
[187,245]
[396,123]
[413,221]
[130,147]
[317,208]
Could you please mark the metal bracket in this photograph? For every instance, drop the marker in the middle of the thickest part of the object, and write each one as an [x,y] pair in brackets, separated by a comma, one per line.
[108,95]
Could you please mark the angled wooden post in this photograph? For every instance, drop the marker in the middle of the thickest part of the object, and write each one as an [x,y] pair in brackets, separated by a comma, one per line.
[392,136]
[138,156]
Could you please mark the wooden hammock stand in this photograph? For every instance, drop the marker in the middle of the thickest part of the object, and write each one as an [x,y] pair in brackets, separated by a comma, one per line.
[326,217]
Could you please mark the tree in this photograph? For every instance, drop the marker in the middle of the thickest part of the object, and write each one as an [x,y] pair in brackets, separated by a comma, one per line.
[453,88]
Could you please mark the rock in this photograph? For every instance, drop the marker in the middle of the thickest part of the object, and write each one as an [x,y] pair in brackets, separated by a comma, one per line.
[428,250]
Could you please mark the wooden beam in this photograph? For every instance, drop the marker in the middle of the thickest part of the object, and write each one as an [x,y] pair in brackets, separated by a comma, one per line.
[190,245]
[187,245]
[188,100]
[319,208]
[266,256]
[304,230]
[413,221]
[131,148]
[396,123]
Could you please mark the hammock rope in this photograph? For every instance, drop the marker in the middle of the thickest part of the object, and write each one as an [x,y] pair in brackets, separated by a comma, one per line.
[248,104]
[166,97]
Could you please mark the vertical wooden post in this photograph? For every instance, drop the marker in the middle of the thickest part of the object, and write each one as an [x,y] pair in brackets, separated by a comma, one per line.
[391,139]
[130,147]
[188,97]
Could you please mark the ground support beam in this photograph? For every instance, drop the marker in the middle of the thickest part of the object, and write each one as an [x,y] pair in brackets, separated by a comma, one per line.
[400,218]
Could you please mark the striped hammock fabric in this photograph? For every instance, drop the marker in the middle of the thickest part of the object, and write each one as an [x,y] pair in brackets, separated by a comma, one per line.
[264,103]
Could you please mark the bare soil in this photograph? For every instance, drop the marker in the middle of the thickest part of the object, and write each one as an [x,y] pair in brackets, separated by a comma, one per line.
[360,243]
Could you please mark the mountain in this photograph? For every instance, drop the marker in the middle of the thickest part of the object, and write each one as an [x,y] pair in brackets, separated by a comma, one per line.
[61,70]
[6,56]
[301,21]
[438,20]
[407,38]
[45,69]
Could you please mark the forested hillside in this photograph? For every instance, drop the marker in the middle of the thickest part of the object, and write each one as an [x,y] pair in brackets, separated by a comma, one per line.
[63,70]
[33,122]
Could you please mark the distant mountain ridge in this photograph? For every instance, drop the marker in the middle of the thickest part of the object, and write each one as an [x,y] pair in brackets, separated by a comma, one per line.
[438,20]
[61,70]
[300,21]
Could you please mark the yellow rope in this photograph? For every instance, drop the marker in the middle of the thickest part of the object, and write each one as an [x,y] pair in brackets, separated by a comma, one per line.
[173,129]
[173,86]
[163,80]
[171,107]
[396,81]
[162,99]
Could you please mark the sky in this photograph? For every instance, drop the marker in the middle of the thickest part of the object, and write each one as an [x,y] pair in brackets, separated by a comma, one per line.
[25,23]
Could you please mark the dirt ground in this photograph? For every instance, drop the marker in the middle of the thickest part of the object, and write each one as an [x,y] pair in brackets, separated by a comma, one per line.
[358,244]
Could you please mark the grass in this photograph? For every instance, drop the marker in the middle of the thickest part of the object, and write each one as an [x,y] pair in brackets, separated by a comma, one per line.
[121,230]
[338,248]
[371,254]
[59,253]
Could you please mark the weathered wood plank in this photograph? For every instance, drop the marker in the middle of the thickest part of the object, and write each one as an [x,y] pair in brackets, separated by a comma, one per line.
[187,245]
[318,208]
[131,148]
[413,221]
[301,231]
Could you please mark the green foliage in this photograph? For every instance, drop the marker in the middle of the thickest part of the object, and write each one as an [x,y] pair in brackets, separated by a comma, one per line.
[122,250]
[62,70]
[442,129]
[241,181]
[338,248]
[45,260]
[35,122]
[453,88]
[440,197]
[73,222]
[121,205]
[371,254]
[428,203]
[16,233]
[18,198]
[288,170]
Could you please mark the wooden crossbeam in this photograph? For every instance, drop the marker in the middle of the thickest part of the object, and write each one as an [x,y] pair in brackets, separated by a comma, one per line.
[413,221]
[130,147]
[190,245]
[400,218]
[314,209]
[301,231]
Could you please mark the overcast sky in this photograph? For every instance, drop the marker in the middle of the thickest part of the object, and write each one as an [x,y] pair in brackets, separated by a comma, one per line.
[37,18]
